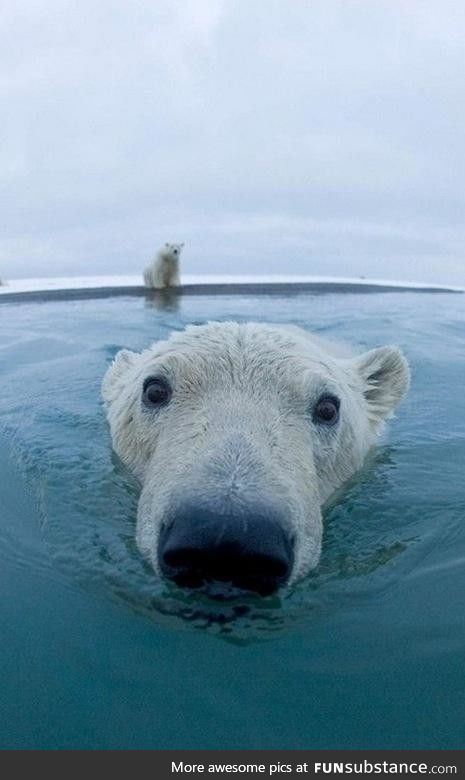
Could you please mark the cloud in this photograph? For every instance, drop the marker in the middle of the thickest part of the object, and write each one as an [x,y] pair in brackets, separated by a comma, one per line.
[327,133]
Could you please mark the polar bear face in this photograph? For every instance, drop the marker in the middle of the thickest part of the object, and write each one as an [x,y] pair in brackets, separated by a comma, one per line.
[171,251]
[238,434]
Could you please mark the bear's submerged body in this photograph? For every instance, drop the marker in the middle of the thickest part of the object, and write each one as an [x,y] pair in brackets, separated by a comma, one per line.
[239,434]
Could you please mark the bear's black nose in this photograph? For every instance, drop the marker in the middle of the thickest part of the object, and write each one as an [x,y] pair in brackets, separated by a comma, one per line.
[251,551]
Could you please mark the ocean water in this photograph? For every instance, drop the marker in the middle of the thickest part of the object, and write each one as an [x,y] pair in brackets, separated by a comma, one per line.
[367,652]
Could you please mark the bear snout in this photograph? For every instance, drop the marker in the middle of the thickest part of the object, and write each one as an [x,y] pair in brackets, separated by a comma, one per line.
[250,550]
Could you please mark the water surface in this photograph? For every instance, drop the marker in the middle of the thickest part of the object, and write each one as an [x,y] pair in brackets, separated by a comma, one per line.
[368,651]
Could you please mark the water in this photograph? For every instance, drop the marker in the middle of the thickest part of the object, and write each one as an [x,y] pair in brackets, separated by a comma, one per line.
[369,651]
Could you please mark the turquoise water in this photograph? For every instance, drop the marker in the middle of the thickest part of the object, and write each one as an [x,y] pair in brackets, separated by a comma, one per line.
[369,651]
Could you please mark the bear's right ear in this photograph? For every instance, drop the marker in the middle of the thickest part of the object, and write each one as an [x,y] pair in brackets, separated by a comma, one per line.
[112,381]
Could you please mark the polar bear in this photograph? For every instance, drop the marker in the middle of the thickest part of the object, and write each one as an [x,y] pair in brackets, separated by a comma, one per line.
[238,434]
[163,271]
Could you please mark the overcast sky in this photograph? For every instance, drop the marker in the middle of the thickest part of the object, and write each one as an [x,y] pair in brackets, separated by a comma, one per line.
[296,136]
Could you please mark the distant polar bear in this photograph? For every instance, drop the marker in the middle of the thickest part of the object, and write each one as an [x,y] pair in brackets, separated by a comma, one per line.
[239,434]
[164,270]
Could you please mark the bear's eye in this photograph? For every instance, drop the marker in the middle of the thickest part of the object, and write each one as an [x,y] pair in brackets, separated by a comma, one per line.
[326,410]
[156,392]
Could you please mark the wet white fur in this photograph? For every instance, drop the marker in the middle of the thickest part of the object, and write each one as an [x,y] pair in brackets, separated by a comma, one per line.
[163,271]
[239,425]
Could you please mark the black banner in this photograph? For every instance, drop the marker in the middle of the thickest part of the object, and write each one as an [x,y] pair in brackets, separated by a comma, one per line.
[171,764]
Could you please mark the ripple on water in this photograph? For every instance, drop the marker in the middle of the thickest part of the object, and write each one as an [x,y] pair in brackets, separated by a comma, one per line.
[386,523]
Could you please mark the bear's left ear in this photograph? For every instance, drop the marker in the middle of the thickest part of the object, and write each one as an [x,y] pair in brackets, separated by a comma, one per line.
[385,376]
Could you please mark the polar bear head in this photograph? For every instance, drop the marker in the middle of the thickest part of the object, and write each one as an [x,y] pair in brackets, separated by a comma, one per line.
[238,434]
[171,251]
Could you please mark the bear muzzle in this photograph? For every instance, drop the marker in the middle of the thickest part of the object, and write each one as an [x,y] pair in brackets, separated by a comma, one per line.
[250,549]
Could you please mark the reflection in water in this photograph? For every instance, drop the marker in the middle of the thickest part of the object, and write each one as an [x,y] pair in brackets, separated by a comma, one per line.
[163,300]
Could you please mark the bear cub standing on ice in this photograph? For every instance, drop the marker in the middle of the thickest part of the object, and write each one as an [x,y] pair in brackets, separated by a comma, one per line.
[239,433]
[163,271]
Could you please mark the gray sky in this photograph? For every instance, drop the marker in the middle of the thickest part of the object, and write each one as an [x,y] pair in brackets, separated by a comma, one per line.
[301,136]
